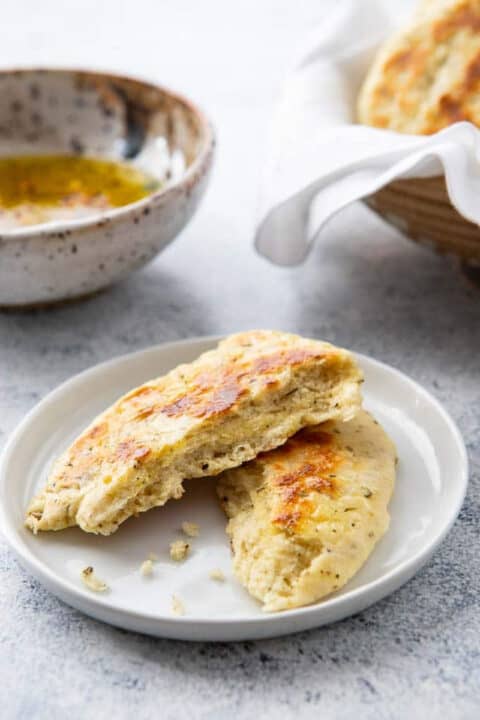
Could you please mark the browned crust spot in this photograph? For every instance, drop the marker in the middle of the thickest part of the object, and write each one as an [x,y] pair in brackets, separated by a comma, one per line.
[310,461]
[129,450]
[462,17]
[205,400]
[215,393]
[472,74]
[401,60]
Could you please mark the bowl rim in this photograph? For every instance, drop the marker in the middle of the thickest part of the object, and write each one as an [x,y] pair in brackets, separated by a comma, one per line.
[192,173]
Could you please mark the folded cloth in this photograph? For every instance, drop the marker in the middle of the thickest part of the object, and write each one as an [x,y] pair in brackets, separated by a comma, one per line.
[320,160]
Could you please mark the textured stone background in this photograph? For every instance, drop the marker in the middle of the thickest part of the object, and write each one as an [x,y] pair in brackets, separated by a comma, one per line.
[415,654]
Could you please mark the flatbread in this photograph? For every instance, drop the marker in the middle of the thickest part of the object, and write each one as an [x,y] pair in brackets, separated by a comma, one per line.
[428,75]
[303,518]
[248,395]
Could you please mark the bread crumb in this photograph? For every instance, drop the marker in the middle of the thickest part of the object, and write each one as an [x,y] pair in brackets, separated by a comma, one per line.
[146,568]
[92,581]
[217,575]
[191,529]
[178,607]
[179,550]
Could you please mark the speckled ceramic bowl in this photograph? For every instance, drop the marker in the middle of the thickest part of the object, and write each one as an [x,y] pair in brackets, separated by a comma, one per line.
[68,111]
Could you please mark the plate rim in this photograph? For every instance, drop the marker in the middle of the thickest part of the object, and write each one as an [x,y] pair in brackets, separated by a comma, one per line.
[379,587]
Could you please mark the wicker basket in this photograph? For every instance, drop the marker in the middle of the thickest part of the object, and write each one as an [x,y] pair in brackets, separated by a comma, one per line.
[420,208]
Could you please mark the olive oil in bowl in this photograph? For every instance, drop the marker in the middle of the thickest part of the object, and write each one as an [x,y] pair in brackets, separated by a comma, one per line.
[37,189]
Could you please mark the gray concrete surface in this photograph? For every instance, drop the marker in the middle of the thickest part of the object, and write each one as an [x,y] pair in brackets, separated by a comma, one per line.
[415,654]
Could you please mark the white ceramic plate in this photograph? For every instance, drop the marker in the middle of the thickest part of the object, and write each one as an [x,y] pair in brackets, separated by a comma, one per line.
[431,483]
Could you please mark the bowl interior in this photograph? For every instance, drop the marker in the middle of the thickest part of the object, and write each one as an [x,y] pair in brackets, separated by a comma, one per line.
[86,113]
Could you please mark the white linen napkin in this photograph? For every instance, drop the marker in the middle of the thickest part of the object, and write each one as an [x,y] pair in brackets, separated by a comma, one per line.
[320,160]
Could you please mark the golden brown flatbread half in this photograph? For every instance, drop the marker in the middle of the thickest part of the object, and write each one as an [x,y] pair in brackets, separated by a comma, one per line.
[304,518]
[248,395]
